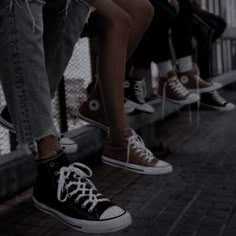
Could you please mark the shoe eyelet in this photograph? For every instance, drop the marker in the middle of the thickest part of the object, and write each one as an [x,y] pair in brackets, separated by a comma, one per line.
[126,84]
[184,79]
[90,211]
[94,105]
[75,201]
[52,164]
[83,206]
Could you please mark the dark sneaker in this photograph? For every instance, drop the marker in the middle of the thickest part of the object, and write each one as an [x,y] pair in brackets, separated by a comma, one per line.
[92,110]
[215,101]
[5,121]
[64,191]
[134,156]
[194,83]
[170,88]
[135,92]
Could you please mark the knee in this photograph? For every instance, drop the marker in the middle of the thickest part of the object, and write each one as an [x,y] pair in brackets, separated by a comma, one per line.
[149,12]
[122,23]
[143,11]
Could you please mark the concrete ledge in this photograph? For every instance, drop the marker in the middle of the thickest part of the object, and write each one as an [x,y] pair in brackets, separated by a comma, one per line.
[17,169]
[226,79]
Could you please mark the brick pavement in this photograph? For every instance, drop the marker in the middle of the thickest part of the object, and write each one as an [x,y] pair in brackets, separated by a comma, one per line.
[198,198]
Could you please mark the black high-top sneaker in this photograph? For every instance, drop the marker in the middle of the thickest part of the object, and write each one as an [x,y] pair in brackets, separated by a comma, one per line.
[135,92]
[64,191]
[215,101]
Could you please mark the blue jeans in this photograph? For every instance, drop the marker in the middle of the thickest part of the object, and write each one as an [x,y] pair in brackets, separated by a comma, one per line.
[36,42]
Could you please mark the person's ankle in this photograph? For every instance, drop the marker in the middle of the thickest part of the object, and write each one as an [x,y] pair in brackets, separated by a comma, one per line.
[119,137]
[48,147]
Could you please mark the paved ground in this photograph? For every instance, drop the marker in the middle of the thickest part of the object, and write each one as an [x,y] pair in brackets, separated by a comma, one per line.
[198,199]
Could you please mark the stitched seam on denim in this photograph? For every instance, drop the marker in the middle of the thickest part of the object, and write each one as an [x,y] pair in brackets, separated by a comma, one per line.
[18,73]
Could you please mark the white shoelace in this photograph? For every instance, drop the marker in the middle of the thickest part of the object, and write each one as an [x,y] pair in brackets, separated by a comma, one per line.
[138,145]
[140,91]
[80,184]
[177,87]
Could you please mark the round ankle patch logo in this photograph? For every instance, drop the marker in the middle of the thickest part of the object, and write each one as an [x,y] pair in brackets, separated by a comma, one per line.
[184,79]
[94,105]
[126,84]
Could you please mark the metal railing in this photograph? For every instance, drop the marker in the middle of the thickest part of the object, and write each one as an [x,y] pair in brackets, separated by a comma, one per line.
[224,53]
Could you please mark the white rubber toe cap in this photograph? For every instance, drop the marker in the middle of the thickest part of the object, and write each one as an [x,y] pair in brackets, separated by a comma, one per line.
[230,106]
[164,167]
[112,212]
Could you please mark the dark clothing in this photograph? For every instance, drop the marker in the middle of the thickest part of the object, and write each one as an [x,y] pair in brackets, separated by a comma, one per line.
[155,43]
[207,28]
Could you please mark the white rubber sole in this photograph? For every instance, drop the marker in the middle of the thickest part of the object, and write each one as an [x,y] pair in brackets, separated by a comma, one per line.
[103,226]
[70,149]
[182,102]
[138,169]
[93,122]
[231,107]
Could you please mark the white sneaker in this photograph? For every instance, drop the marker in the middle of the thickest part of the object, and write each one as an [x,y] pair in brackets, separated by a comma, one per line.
[68,144]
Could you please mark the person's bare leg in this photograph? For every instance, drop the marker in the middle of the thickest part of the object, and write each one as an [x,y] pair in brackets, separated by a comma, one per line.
[141,13]
[113,40]
[119,20]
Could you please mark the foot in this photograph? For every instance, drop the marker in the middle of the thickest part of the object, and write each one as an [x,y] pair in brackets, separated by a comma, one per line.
[92,110]
[5,121]
[64,191]
[194,83]
[171,89]
[135,92]
[134,156]
[215,101]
